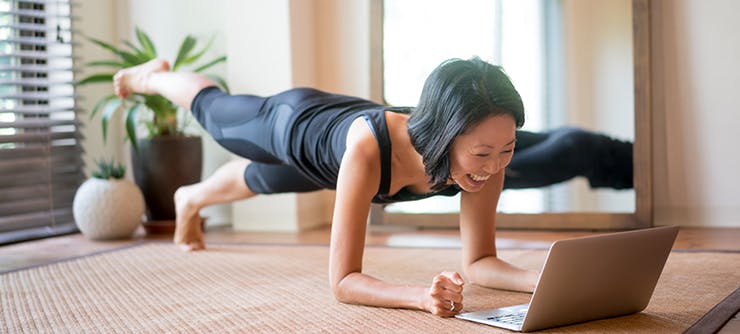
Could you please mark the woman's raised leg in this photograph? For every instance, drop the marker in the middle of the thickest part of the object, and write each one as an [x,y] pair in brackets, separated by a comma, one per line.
[225,185]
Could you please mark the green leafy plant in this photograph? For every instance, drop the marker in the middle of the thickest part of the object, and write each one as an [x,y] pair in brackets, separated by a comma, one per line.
[165,113]
[109,170]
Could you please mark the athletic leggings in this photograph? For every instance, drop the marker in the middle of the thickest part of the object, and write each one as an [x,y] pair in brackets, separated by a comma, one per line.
[546,158]
[256,128]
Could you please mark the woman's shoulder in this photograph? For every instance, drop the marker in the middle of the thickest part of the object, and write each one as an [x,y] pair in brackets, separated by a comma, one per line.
[361,162]
[377,128]
[361,140]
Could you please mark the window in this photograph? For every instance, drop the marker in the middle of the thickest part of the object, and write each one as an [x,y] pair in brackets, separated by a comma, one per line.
[40,150]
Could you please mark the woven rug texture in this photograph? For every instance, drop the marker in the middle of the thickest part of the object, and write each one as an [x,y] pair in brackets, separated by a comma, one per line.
[229,288]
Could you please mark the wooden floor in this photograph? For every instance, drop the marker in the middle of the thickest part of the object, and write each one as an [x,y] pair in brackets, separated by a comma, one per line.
[51,249]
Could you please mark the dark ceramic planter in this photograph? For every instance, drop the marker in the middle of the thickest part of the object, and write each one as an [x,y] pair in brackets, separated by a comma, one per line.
[162,165]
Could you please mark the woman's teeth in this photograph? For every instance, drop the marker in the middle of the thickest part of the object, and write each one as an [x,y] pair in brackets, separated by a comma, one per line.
[479,178]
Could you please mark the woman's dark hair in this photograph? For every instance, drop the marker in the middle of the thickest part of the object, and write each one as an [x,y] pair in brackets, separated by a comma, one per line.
[457,95]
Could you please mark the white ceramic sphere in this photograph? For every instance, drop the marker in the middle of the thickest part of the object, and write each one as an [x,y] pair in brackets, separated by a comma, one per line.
[108,209]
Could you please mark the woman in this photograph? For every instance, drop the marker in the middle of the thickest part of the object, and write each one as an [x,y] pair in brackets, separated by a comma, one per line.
[459,138]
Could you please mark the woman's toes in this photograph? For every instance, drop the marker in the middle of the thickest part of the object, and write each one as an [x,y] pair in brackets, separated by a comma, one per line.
[198,245]
[192,246]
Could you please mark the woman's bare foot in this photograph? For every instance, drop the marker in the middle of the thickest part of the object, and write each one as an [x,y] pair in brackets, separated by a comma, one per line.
[134,79]
[189,229]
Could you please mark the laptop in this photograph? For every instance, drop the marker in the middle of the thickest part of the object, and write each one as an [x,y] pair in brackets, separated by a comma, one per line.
[589,278]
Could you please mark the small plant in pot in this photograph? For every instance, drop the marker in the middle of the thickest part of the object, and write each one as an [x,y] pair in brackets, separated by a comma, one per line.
[168,157]
[107,206]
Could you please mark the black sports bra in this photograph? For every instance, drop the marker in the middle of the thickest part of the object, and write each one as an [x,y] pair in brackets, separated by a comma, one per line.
[379,127]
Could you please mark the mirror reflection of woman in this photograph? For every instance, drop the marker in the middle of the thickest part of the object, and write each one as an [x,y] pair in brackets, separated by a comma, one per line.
[458,139]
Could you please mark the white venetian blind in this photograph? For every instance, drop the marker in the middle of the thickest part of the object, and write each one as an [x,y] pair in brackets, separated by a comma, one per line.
[40,150]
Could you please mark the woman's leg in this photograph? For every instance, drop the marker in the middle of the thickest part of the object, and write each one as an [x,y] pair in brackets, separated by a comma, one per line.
[154,77]
[233,181]
[225,185]
[564,153]
[250,126]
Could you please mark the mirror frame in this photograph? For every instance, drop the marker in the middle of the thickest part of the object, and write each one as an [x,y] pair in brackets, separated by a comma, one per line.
[642,150]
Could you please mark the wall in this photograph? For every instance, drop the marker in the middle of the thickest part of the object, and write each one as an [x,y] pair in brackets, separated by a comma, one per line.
[97,23]
[344,46]
[695,80]
[696,115]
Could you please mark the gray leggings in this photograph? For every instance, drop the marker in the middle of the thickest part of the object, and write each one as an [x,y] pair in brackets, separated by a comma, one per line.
[544,158]
[255,128]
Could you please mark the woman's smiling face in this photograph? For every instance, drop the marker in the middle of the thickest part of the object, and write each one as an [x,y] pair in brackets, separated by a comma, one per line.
[482,151]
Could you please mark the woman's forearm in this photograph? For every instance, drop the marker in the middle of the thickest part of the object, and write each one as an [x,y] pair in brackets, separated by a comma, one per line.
[358,288]
[495,273]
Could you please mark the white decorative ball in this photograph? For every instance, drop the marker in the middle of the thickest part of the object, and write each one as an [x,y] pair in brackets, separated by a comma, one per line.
[108,209]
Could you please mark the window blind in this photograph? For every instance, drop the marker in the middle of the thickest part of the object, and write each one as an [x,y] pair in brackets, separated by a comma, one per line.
[40,150]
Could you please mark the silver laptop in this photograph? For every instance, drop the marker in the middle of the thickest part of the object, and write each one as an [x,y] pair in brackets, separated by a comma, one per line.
[589,278]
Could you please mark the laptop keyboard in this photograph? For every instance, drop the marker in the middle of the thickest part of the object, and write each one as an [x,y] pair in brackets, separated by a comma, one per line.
[511,318]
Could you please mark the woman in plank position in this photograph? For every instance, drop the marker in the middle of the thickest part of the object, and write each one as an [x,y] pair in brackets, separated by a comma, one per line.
[459,139]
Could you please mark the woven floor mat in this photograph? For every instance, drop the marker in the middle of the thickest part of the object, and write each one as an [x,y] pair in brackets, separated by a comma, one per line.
[155,288]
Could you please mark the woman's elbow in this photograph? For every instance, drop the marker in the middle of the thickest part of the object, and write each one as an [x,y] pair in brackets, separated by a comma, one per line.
[472,271]
[340,291]
[469,273]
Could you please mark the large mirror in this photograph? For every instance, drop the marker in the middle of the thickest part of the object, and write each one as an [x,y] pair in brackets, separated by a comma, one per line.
[582,69]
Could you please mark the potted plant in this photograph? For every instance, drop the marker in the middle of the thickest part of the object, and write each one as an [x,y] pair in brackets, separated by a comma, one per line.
[167,157]
[107,206]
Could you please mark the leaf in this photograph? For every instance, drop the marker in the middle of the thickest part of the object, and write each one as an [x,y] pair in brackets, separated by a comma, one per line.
[106,63]
[158,104]
[140,54]
[137,52]
[101,103]
[211,63]
[131,125]
[187,45]
[110,109]
[146,43]
[152,129]
[96,78]
[104,45]
[131,59]
[128,58]
[220,81]
[119,171]
[197,56]
[109,169]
